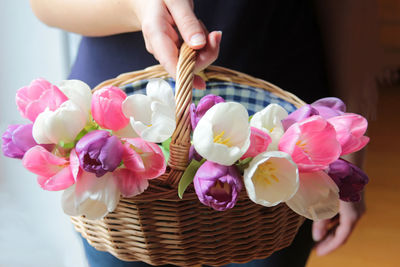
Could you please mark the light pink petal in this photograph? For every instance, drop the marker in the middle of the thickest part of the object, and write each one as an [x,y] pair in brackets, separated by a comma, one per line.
[350,129]
[131,158]
[39,95]
[259,141]
[107,108]
[60,181]
[91,196]
[130,184]
[317,197]
[312,144]
[74,164]
[41,162]
[143,158]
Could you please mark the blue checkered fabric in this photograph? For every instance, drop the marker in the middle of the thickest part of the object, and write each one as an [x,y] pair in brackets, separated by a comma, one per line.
[254,99]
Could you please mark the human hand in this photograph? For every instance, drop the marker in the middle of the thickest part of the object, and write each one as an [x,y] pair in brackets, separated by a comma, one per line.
[332,233]
[163,21]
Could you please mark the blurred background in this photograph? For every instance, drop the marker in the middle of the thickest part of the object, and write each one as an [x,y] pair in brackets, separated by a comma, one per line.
[35,232]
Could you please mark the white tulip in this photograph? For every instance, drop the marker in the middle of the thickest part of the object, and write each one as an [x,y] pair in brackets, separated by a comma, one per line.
[152,116]
[78,92]
[61,125]
[317,197]
[269,119]
[271,178]
[223,134]
[91,196]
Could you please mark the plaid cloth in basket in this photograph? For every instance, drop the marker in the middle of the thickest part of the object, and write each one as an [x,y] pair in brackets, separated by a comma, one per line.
[254,99]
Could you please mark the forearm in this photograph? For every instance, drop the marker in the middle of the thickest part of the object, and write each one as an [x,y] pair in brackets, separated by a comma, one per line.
[89,17]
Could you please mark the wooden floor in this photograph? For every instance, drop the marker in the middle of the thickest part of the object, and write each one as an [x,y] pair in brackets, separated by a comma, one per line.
[376,240]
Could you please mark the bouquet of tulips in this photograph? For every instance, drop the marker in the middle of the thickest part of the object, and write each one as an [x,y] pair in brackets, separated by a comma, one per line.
[98,146]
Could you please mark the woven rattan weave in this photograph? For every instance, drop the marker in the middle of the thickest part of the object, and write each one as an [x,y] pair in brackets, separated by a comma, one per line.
[159,228]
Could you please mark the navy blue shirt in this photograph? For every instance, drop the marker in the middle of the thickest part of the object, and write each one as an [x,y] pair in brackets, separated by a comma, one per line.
[274,40]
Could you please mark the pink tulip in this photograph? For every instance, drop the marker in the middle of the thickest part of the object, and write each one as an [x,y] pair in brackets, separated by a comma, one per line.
[259,141]
[107,108]
[54,173]
[312,144]
[129,183]
[350,129]
[143,158]
[34,99]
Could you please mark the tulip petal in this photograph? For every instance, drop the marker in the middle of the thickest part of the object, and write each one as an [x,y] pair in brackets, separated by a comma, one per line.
[269,119]
[220,138]
[91,196]
[39,132]
[138,107]
[271,178]
[143,158]
[350,129]
[160,91]
[312,144]
[317,197]
[332,103]
[259,141]
[60,181]
[38,96]
[41,162]
[129,183]
[126,132]
[107,108]
[299,114]
[78,92]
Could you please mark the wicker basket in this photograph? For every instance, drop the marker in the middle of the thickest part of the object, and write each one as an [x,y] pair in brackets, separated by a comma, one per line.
[159,228]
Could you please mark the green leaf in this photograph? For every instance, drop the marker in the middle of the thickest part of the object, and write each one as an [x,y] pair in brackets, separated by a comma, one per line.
[66,145]
[165,152]
[250,117]
[166,144]
[244,164]
[188,175]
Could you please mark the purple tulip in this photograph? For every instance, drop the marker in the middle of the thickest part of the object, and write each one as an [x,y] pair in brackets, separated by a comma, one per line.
[217,186]
[205,103]
[99,152]
[194,155]
[327,107]
[17,139]
[349,178]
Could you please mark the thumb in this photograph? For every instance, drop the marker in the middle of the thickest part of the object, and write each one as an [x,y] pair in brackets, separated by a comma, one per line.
[188,25]
[319,230]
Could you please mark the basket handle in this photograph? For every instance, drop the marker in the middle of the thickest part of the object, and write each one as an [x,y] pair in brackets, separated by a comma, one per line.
[180,140]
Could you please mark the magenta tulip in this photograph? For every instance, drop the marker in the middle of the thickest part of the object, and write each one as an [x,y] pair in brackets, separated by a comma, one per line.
[217,186]
[34,99]
[107,108]
[349,178]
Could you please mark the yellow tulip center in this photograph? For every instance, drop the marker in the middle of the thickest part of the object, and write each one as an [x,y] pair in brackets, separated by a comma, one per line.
[266,173]
[302,145]
[219,139]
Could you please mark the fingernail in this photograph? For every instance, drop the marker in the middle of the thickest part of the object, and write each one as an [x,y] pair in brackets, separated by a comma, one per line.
[316,235]
[198,39]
